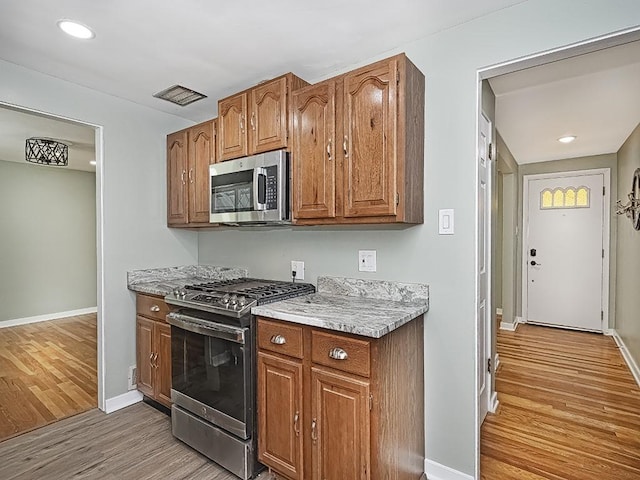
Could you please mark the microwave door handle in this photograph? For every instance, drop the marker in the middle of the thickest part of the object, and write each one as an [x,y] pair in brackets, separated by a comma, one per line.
[259,188]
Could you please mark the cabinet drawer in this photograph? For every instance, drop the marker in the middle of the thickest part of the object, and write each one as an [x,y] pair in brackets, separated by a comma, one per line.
[151,307]
[341,352]
[280,337]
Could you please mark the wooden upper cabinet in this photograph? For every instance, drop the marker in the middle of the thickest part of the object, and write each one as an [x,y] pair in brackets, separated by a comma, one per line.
[232,127]
[376,119]
[369,143]
[201,155]
[256,120]
[177,194]
[314,151]
[268,119]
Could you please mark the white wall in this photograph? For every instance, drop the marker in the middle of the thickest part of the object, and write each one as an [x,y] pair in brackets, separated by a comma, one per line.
[449,61]
[48,240]
[132,176]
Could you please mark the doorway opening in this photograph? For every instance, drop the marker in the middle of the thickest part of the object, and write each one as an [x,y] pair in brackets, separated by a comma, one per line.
[527,152]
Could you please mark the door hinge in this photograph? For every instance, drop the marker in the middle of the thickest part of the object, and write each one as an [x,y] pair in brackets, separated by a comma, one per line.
[397,77]
[601,314]
[491,151]
[489,365]
[370,402]
[397,199]
[603,253]
[604,189]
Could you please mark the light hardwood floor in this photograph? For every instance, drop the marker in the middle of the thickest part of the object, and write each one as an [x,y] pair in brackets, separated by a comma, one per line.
[569,409]
[134,443]
[47,372]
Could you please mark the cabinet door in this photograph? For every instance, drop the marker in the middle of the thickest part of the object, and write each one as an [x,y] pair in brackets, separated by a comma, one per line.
[268,120]
[314,145]
[144,355]
[340,426]
[232,127]
[370,139]
[162,363]
[280,414]
[201,155]
[177,197]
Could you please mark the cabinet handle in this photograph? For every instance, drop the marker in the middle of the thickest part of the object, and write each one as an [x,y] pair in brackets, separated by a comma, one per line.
[329,149]
[314,433]
[344,146]
[296,429]
[184,172]
[191,175]
[253,120]
[241,123]
[151,359]
[278,340]
[338,353]
[155,360]
[154,308]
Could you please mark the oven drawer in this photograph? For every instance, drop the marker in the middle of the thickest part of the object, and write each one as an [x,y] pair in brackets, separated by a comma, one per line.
[340,352]
[151,307]
[280,338]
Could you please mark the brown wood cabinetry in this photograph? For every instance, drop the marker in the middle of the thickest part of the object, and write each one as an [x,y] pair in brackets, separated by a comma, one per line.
[153,349]
[189,154]
[256,120]
[358,146]
[333,406]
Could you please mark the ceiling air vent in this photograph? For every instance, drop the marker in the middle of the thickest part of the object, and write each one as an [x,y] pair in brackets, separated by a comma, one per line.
[179,95]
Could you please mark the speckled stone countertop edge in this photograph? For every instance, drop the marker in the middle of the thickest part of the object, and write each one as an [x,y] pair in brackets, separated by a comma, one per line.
[162,281]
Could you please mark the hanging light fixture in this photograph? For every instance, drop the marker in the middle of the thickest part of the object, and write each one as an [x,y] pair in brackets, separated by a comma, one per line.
[46,151]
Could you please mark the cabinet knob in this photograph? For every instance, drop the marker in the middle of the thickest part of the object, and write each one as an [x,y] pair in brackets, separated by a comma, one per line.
[338,353]
[278,340]
[154,308]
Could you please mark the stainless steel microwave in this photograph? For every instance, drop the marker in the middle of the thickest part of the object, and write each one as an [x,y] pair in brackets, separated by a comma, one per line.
[251,190]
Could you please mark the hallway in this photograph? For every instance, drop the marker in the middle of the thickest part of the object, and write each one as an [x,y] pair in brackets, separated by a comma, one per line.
[569,409]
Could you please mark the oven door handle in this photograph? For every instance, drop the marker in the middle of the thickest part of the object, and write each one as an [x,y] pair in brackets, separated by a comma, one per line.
[217,330]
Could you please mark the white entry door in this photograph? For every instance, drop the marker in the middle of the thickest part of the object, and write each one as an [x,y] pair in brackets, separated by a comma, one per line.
[565,250]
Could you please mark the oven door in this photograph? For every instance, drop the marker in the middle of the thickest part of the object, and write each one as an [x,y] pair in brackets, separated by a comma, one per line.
[211,372]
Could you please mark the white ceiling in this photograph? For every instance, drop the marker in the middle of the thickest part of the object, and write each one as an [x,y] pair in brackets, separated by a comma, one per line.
[18,125]
[594,96]
[215,47]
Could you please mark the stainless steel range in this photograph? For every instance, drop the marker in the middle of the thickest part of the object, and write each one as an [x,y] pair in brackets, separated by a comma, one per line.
[213,342]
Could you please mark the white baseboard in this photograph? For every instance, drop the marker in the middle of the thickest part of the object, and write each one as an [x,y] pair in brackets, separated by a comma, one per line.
[493,403]
[436,471]
[121,401]
[498,311]
[633,366]
[49,316]
[512,327]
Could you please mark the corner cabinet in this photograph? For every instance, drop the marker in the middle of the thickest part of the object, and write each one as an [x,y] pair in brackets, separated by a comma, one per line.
[189,154]
[153,349]
[333,406]
[358,146]
[256,120]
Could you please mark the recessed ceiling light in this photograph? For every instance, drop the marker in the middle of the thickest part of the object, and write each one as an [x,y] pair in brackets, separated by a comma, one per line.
[76,29]
[567,139]
[92,162]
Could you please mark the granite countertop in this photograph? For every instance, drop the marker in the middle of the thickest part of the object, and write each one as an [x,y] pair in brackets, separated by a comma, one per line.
[371,308]
[162,281]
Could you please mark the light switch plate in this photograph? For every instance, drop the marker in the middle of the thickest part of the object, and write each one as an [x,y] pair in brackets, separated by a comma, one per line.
[367,260]
[445,221]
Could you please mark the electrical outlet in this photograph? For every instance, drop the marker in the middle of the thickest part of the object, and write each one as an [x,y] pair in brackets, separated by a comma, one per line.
[298,267]
[367,260]
[132,378]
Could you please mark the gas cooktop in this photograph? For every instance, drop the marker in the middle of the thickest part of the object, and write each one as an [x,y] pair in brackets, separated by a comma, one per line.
[235,297]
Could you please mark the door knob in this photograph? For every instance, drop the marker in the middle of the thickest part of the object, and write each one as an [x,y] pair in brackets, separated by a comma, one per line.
[534,263]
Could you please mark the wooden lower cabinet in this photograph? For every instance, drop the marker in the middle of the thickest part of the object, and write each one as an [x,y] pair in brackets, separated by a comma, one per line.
[342,406]
[153,349]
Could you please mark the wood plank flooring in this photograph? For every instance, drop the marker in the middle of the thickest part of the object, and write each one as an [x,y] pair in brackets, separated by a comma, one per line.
[47,372]
[134,443]
[569,409]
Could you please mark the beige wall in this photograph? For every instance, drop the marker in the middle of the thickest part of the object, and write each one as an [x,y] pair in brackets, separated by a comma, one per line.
[48,255]
[628,262]
[567,165]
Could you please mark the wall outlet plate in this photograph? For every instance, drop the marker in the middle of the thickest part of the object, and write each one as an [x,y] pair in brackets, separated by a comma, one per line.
[132,378]
[367,260]
[298,267]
